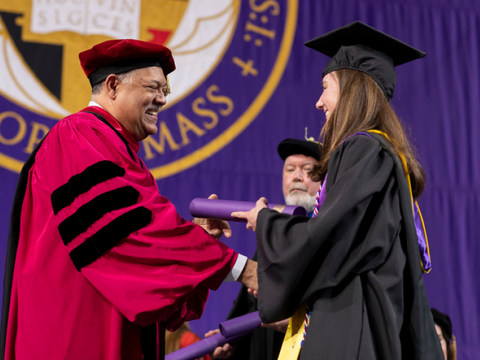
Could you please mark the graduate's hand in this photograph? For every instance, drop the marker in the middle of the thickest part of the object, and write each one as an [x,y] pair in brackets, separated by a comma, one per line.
[221,352]
[214,227]
[251,216]
[280,326]
[248,277]
[253,292]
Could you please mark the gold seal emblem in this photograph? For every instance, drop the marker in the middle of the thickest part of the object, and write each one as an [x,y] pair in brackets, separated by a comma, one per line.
[41,39]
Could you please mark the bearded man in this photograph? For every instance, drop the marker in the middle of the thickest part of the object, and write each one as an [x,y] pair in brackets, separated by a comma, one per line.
[299,158]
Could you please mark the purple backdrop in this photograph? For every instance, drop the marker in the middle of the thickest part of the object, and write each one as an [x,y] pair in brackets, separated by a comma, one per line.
[438,99]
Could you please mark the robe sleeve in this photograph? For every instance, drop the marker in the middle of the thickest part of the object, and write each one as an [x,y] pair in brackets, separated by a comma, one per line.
[124,237]
[353,232]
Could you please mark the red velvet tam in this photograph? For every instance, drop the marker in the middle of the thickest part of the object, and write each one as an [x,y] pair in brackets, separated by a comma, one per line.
[123,55]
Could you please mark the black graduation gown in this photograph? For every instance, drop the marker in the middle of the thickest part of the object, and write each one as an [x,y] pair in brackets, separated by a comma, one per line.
[358,260]
[262,343]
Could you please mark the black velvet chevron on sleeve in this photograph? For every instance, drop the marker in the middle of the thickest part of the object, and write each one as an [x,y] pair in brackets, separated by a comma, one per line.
[92,211]
[109,236]
[84,181]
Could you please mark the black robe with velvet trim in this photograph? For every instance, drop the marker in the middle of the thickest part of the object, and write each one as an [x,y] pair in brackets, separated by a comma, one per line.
[358,260]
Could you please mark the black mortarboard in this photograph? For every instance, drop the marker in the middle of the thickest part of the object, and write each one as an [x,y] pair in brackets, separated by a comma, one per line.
[443,320]
[361,47]
[294,146]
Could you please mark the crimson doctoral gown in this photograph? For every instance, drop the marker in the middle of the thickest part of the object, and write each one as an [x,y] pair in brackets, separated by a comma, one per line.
[96,252]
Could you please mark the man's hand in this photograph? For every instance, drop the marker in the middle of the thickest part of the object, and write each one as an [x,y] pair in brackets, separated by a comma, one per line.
[221,352]
[251,216]
[248,277]
[215,228]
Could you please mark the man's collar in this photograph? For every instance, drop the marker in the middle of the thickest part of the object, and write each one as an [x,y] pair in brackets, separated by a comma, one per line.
[93,103]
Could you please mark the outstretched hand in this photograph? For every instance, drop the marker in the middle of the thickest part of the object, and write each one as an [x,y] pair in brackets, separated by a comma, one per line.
[251,215]
[214,227]
[221,352]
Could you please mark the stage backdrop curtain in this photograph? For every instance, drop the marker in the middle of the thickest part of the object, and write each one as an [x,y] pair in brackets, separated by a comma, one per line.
[438,99]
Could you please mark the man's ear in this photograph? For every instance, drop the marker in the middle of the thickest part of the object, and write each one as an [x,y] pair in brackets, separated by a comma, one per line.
[111,84]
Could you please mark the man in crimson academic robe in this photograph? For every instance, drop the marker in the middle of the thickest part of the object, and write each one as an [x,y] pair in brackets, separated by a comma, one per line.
[99,263]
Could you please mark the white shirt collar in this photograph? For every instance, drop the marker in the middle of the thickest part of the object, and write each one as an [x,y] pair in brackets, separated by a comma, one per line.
[93,103]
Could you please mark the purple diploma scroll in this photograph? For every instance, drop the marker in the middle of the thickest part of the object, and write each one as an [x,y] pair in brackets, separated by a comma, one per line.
[240,325]
[230,332]
[221,209]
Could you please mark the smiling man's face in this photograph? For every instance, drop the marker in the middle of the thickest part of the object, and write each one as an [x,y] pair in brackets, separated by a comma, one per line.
[298,188]
[138,100]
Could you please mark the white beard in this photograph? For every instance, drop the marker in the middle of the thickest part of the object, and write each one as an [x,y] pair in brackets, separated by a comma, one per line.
[301,199]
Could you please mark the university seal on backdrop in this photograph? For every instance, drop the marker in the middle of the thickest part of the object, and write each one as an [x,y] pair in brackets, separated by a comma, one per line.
[230,56]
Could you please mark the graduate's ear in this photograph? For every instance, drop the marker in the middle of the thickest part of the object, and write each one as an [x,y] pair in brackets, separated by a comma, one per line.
[111,85]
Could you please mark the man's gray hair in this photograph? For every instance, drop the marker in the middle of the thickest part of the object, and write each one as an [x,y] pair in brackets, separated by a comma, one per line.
[123,77]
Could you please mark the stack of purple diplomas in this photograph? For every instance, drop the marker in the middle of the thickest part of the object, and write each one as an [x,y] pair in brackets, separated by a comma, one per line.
[221,209]
[230,332]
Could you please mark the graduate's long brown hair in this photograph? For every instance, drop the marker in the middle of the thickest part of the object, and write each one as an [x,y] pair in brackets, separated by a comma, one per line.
[362,106]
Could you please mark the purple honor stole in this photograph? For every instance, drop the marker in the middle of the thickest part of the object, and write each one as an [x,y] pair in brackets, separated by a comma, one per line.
[417,215]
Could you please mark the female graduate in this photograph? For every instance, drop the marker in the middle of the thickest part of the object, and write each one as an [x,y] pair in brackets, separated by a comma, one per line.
[350,279]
